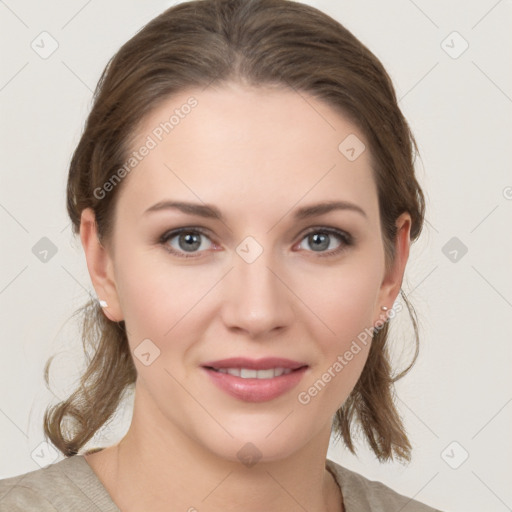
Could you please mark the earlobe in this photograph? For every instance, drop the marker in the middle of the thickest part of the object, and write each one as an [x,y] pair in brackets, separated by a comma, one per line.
[99,264]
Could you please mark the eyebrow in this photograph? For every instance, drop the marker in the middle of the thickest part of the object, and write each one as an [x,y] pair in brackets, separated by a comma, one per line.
[212,212]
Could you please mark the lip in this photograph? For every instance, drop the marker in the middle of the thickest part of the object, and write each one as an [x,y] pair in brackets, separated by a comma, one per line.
[255,390]
[264,363]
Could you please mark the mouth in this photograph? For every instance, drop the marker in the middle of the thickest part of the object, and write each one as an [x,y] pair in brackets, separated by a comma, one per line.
[249,373]
[255,380]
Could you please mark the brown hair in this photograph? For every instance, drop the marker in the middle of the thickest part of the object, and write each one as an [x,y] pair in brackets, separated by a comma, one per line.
[255,42]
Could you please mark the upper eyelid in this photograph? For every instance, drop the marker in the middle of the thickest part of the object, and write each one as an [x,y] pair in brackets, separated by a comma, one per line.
[328,229]
[342,233]
[206,231]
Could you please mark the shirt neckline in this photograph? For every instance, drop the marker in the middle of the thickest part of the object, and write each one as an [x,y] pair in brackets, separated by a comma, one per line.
[108,505]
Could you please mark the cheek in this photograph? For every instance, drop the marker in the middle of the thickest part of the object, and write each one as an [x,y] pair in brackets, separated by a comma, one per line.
[160,301]
[343,352]
[344,335]
[344,299]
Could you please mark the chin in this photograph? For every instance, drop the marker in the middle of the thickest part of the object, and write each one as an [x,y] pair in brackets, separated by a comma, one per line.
[256,439]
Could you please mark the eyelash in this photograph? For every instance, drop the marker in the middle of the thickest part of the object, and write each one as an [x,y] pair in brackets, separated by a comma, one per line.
[346,239]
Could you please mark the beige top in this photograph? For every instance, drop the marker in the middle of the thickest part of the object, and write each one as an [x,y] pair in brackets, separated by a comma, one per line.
[72,486]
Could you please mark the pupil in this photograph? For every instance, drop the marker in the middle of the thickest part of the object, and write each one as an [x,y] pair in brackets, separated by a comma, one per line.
[322,239]
[191,241]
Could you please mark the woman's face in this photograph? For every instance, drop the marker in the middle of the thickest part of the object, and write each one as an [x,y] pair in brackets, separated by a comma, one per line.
[272,278]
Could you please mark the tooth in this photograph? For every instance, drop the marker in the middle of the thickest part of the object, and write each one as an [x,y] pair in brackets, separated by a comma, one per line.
[265,374]
[246,373]
[249,373]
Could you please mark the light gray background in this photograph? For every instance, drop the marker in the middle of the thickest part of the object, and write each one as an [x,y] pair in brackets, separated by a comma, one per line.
[460,111]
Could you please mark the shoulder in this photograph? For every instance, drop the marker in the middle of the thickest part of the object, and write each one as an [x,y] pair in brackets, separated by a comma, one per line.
[360,493]
[68,485]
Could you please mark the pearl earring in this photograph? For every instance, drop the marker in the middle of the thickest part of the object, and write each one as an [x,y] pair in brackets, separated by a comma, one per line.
[103,303]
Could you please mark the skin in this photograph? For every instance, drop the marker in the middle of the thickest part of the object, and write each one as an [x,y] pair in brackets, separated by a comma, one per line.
[257,154]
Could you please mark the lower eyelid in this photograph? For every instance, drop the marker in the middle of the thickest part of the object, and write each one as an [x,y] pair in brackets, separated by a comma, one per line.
[345,238]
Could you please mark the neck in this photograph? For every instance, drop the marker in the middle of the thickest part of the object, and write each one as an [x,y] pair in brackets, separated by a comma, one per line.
[152,468]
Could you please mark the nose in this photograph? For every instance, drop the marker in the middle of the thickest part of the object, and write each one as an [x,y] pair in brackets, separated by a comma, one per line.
[257,301]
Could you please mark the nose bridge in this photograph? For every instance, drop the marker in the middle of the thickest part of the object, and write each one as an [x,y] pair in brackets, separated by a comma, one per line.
[258,300]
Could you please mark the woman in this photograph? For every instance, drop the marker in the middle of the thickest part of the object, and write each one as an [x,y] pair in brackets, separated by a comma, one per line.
[244,191]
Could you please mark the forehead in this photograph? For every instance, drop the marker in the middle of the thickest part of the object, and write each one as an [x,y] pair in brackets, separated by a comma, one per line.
[247,148]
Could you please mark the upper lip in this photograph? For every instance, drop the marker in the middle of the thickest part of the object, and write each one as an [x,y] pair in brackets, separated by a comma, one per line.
[264,363]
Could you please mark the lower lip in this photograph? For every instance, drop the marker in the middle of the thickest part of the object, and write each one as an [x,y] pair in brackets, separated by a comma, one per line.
[256,390]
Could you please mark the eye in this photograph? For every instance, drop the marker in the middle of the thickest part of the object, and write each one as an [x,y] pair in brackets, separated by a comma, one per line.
[184,242]
[321,239]
[188,242]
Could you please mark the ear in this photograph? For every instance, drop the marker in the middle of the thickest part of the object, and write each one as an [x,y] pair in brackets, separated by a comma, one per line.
[100,266]
[392,282]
